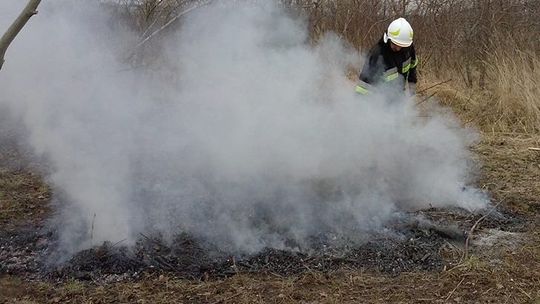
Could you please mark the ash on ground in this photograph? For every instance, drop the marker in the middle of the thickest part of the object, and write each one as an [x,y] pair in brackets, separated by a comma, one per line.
[418,243]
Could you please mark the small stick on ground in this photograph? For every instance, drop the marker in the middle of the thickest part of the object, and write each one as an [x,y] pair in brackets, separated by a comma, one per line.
[426,98]
[118,243]
[435,85]
[467,240]
[454,290]
[228,298]
[154,241]
[525,293]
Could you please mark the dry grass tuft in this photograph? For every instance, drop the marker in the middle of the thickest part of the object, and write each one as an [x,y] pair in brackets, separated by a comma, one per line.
[515,90]
[509,101]
[23,195]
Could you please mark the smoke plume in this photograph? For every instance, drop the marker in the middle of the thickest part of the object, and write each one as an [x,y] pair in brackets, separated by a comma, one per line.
[243,133]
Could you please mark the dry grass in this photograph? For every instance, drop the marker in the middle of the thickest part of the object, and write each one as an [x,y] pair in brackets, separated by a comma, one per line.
[509,100]
[511,170]
[515,89]
[517,280]
[484,46]
[23,195]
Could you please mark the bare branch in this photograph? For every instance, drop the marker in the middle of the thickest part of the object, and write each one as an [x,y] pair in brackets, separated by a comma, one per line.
[29,11]
[166,25]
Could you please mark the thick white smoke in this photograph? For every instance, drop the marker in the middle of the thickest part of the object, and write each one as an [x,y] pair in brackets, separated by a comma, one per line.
[243,133]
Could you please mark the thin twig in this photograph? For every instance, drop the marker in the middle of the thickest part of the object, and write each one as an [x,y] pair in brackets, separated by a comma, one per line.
[153,240]
[432,94]
[425,99]
[277,275]
[156,18]
[487,291]
[143,35]
[435,85]
[162,261]
[454,290]
[228,298]
[467,240]
[117,243]
[373,25]
[166,25]
[525,293]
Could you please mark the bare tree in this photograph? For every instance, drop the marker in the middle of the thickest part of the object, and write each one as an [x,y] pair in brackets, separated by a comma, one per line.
[29,11]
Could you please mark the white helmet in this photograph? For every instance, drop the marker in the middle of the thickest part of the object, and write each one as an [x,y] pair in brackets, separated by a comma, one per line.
[400,33]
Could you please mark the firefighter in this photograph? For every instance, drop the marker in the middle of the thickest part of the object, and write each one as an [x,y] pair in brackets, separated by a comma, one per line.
[391,64]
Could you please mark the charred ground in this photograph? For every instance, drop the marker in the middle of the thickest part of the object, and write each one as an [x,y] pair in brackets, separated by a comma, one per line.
[424,258]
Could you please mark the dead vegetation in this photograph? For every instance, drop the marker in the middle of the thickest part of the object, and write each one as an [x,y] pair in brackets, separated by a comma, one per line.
[503,264]
[511,170]
[507,103]
[22,197]
[493,87]
[481,50]
[516,280]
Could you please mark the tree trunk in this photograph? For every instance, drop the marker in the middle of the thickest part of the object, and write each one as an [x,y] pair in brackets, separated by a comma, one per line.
[29,11]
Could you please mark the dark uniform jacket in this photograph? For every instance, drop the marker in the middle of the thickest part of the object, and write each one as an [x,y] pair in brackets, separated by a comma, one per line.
[384,66]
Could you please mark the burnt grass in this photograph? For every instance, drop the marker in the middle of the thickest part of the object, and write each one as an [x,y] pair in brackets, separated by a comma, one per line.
[187,258]
[410,245]
[29,248]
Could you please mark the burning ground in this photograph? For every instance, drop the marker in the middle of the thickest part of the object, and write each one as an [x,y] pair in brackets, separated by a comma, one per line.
[423,260]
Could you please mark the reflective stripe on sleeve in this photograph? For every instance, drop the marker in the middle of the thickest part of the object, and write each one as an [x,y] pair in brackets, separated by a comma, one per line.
[406,65]
[361,90]
[363,87]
